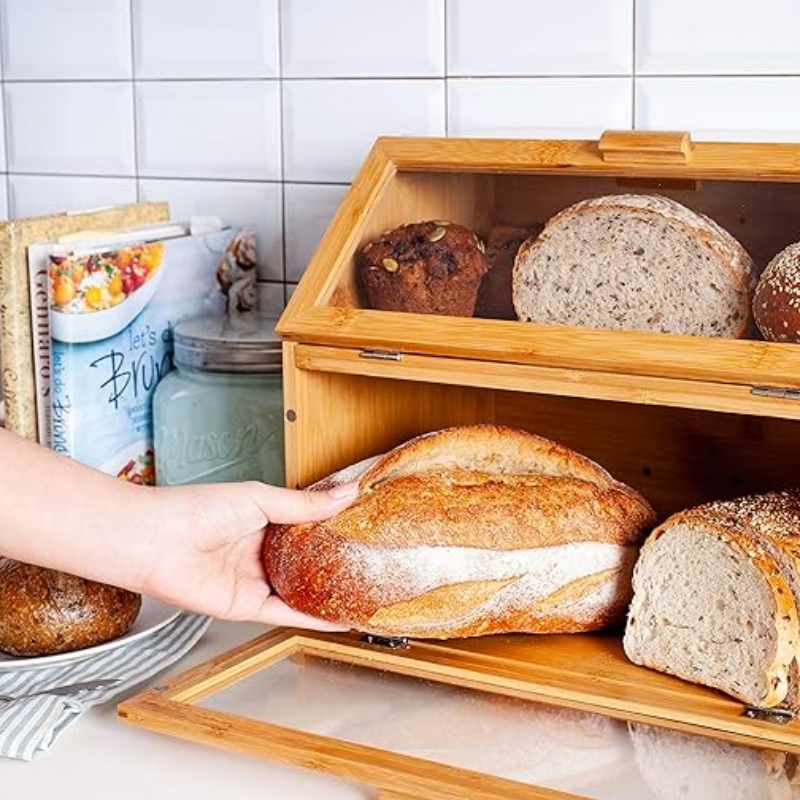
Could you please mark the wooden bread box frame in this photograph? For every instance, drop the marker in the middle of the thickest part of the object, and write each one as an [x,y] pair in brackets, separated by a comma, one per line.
[682,419]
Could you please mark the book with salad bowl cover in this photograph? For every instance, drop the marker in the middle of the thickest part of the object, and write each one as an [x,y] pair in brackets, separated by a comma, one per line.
[112,307]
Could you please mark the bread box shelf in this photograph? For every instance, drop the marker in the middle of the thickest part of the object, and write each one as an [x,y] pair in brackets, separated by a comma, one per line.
[682,419]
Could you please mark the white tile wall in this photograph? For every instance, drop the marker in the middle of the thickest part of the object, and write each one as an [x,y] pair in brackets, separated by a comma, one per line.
[309,210]
[262,110]
[363,39]
[76,40]
[206,39]
[686,37]
[743,108]
[257,204]
[539,37]
[352,113]
[33,195]
[571,108]
[70,128]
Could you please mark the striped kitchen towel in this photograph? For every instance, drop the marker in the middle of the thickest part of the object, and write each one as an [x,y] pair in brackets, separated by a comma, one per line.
[37,705]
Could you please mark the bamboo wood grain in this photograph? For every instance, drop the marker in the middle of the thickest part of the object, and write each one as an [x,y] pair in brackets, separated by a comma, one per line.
[645,390]
[585,672]
[346,408]
[673,416]
[163,711]
[506,341]
[751,189]
[733,160]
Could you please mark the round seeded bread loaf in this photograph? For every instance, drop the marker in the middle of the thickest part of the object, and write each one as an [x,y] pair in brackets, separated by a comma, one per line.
[776,302]
[43,612]
[635,262]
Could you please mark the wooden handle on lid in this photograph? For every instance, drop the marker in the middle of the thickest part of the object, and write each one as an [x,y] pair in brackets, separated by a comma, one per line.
[645,147]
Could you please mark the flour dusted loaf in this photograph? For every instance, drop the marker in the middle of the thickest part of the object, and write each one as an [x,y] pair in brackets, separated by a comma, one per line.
[716,592]
[44,612]
[429,267]
[635,262]
[467,531]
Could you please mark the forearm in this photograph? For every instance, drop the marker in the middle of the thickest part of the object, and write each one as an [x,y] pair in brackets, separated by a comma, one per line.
[57,513]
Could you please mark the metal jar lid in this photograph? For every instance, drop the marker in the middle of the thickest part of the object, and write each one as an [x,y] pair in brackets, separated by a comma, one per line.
[228,344]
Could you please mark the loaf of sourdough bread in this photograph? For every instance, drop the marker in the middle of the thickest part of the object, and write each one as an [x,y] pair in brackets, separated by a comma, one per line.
[467,531]
[635,262]
[716,597]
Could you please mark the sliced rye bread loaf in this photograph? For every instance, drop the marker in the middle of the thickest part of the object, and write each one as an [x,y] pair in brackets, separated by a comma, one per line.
[716,598]
[468,531]
[635,262]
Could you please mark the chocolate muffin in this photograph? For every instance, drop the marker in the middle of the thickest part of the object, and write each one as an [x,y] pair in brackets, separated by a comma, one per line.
[430,267]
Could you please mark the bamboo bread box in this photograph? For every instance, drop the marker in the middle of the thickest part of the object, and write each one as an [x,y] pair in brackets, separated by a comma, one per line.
[682,419]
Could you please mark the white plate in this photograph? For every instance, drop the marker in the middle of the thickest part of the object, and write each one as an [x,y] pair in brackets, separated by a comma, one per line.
[153,615]
[93,326]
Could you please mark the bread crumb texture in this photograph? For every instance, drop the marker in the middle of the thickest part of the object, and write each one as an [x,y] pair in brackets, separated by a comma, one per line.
[635,262]
[716,594]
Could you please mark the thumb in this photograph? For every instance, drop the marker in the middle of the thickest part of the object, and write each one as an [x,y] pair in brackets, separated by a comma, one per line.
[293,505]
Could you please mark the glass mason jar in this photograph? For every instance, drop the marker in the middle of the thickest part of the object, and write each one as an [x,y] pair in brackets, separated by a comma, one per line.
[218,416]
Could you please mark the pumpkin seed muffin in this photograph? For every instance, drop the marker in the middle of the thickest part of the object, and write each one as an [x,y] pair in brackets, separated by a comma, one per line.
[430,267]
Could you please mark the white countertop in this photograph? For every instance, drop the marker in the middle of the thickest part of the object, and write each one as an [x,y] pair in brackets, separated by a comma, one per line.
[102,757]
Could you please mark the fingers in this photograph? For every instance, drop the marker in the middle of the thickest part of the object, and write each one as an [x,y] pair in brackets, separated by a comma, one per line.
[275,612]
[290,505]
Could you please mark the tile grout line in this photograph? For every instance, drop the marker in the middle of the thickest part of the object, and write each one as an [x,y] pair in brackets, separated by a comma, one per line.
[135,105]
[634,51]
[282,146]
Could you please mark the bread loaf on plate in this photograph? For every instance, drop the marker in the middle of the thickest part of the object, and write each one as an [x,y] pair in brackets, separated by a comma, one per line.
[716,592]
[467,531]
[45,612]
[635,262]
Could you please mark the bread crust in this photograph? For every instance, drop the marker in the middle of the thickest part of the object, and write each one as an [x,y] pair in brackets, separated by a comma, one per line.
[465,531]
[44,612]
[753,526]
[776,301]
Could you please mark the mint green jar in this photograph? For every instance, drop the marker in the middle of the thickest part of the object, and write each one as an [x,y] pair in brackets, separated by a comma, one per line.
[218,416]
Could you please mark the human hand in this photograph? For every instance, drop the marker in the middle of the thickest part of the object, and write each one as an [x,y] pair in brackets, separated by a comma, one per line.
[205,545]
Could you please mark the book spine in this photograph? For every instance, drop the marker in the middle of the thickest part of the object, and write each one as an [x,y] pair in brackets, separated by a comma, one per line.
[40,332]
[15,342]
[62,424]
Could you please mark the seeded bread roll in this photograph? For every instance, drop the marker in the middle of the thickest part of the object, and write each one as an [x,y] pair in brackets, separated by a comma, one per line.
[431,267]
[635,262]
[716,597]
[776,302]
[44,612]
[468,531]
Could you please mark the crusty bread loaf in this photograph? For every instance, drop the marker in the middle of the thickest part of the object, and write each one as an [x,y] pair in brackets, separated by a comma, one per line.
[468,531]
[776,301]
[44,612]
[635,262]
[716,591]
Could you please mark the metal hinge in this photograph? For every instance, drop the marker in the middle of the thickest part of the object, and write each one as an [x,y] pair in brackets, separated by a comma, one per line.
[392,642]
[381,355]
[776,391]
[778,715]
